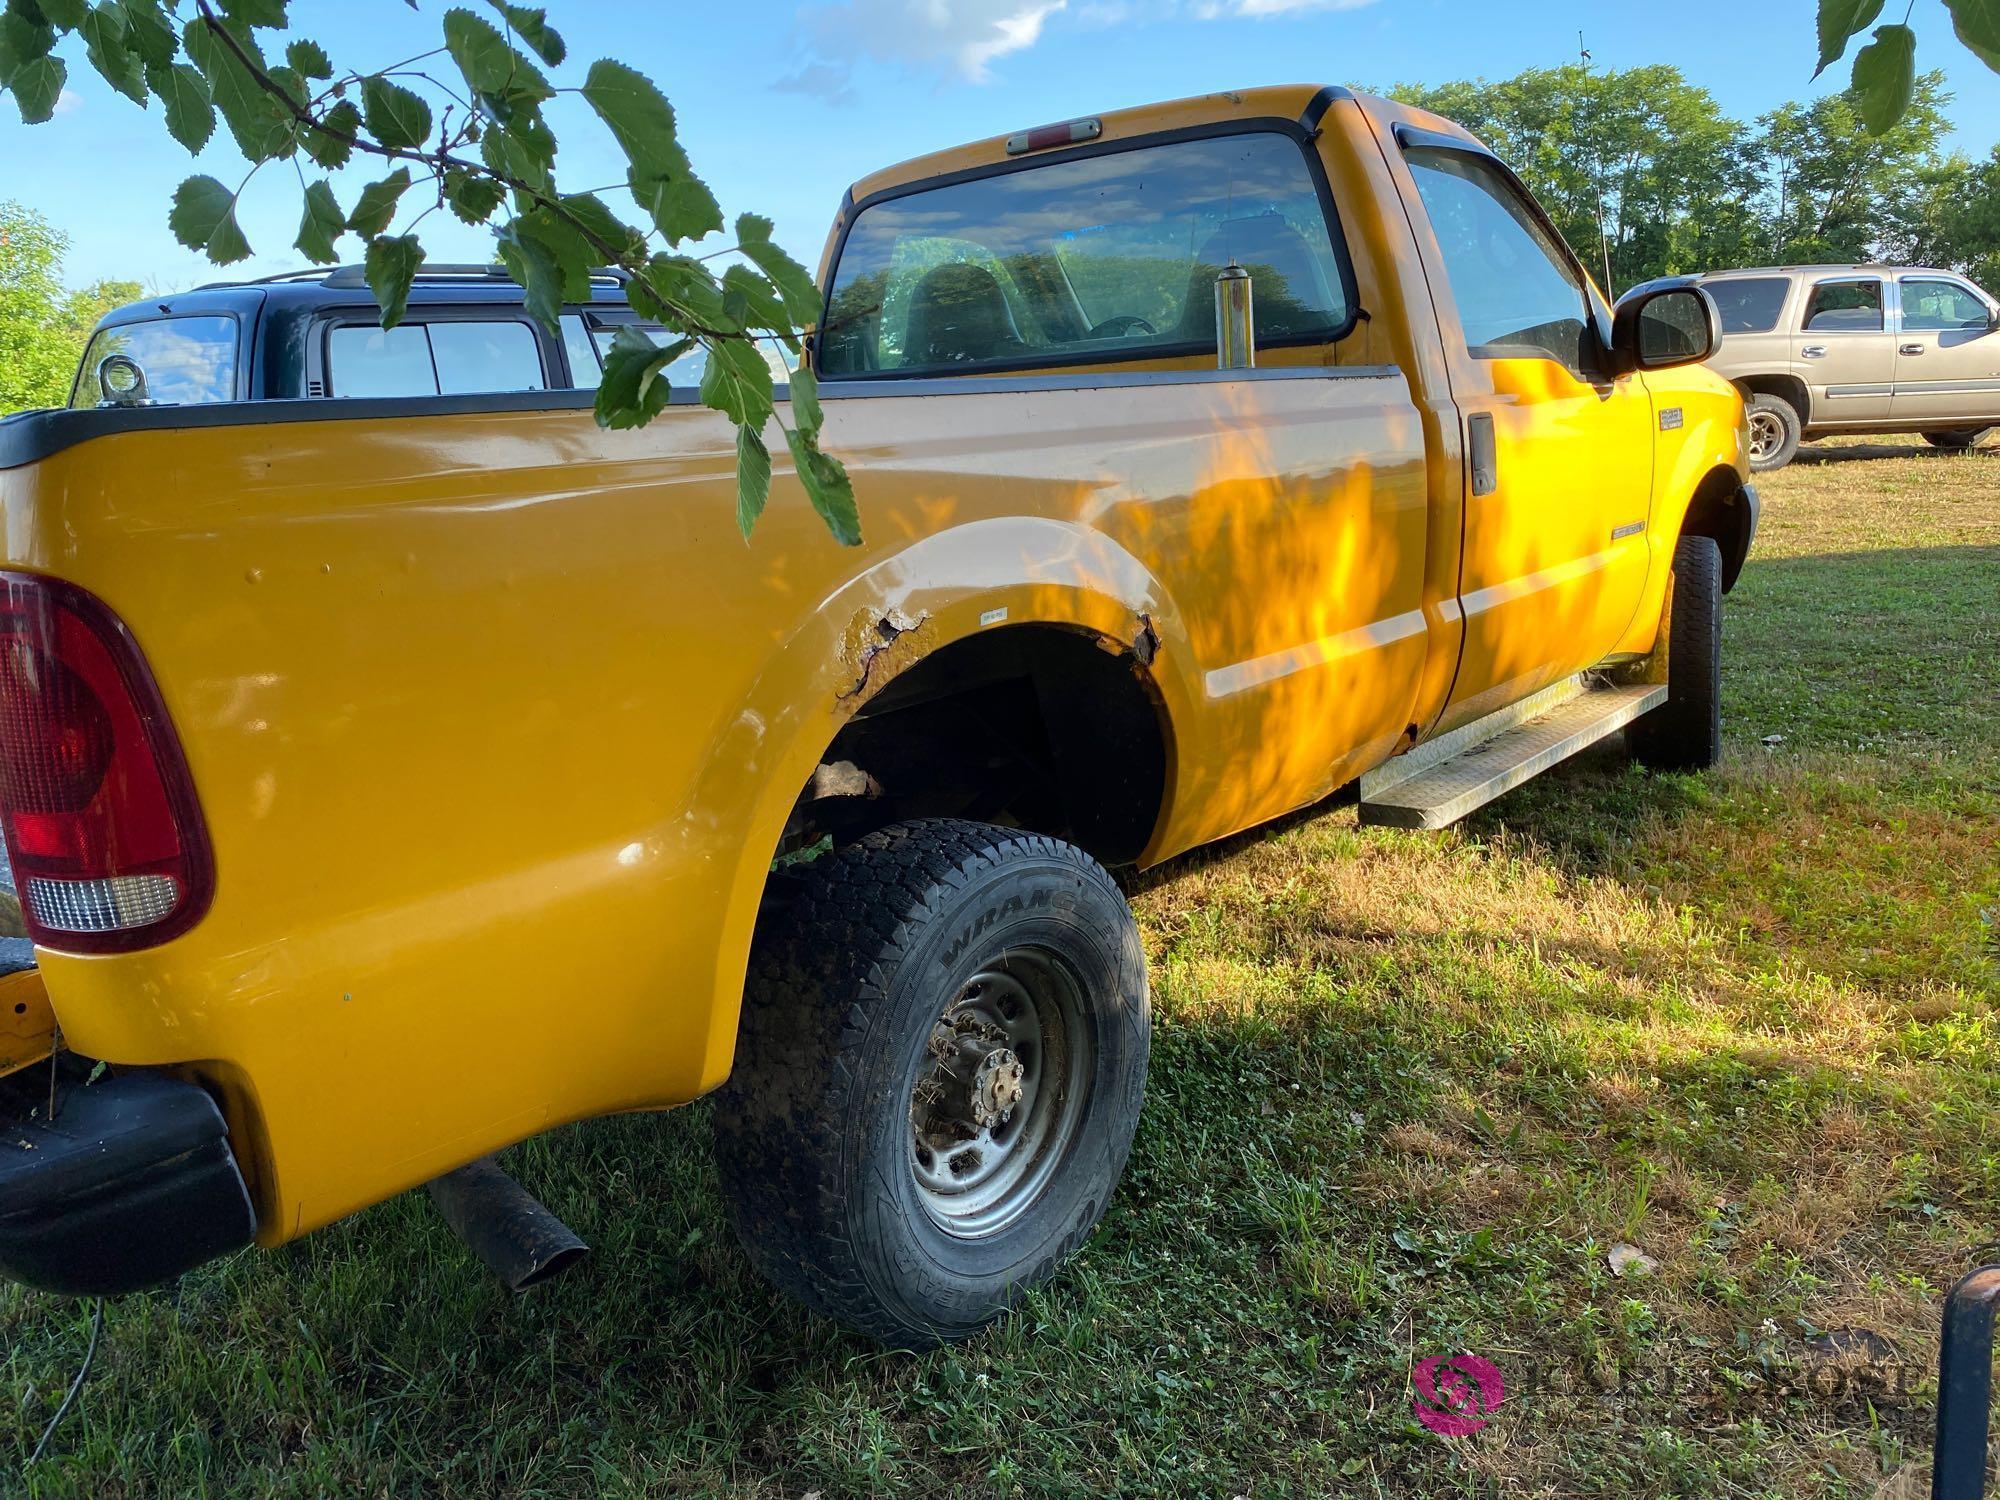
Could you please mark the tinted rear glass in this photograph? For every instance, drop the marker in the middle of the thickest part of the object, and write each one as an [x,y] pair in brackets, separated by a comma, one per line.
[451,358]
[1751,305]
[188,361]
[1109,256]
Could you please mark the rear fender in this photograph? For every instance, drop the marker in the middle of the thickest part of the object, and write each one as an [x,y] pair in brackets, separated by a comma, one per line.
[973,578]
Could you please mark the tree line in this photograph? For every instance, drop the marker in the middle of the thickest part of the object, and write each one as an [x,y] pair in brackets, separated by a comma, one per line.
[1685,187]
[43,325]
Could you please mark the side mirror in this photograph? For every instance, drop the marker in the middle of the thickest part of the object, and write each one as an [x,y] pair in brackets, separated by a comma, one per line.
[1658,330]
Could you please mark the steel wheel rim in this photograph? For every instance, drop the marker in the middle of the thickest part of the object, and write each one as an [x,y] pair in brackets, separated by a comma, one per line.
[974,1174]
[1767,434]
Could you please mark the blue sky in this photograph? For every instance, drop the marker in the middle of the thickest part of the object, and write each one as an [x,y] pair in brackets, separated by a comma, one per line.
[782,105]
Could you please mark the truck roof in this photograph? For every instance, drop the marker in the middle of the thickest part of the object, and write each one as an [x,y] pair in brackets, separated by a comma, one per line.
[1285,101]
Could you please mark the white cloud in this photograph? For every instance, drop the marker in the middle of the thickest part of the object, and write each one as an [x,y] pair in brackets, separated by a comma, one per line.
[961,38]
[68,102]
[1265,9]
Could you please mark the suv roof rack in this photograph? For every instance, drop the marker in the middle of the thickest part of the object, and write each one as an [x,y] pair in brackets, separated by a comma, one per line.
[356,275]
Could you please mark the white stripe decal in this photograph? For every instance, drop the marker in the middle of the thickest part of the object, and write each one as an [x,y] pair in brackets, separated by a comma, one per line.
[1224,681]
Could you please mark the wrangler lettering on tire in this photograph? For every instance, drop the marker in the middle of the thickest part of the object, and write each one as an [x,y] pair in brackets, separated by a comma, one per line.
[938,1074]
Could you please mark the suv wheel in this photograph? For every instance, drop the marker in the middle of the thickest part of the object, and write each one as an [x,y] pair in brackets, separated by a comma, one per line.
[938,1074]
[1774,432]
[1685,732]
[1958,439]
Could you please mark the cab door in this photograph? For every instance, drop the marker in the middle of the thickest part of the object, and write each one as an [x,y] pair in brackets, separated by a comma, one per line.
[1559,475]
[1845,353]
[1947,355]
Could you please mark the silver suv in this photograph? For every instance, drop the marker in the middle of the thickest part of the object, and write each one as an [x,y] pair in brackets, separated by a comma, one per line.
[1825,349]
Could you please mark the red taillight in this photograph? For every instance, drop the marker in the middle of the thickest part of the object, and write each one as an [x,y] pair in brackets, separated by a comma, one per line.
[106,838]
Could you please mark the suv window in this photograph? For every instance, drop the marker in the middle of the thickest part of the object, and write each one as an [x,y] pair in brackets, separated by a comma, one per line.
[1517,295]
[188,361]
[1102,257]
[450,357]
[1845,307]
[1933,306]
[1750,304]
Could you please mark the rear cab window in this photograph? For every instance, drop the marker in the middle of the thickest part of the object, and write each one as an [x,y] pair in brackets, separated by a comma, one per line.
[1106,256]
[1749,304]
[188,361]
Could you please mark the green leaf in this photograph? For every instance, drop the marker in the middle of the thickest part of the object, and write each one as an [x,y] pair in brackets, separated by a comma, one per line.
[519,154]
[260,125]
[391,265]
[64,15]
[103,32]
[472,197]
[634,389]
[309,58]
[753,478]
[752,302]
[550,261]
[494,70]
[793,281]
[1885,78]
[22,39]
[255,12]
[531,25]
[738,382]
[190,117]
[377,204]
[204,218]
[333,144]
[322,225]
[661,178]
[36,85]
[625,242]
[1977,23]
[1839,20]
[689,291]
[828,487]
[148,32]
[396,117]
[806,414]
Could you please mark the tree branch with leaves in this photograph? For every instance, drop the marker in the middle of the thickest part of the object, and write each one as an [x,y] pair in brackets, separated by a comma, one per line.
[480,147]
[1885,70]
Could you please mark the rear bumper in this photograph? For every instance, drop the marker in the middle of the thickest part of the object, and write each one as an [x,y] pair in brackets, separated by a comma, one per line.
[129,1185]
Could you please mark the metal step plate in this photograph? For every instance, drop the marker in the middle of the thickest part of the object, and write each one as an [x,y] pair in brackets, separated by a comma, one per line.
[1441,794]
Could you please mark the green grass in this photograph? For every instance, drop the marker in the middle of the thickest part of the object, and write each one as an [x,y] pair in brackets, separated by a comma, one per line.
[1407,1092]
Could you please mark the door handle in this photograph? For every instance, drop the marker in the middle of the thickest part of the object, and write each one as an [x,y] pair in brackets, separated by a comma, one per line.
[1813,351]
[1913,349]
[1483,453]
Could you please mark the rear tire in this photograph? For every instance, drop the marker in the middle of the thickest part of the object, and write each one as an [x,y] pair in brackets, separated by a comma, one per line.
[1774,432]
[1685,732]
[938,1074]
[1957,439]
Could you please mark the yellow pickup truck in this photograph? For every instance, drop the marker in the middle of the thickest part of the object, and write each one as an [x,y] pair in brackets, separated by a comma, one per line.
[390,777]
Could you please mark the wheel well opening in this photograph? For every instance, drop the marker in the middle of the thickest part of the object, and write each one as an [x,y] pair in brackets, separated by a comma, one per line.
[1787,388]
[1718,510]
[1033,726]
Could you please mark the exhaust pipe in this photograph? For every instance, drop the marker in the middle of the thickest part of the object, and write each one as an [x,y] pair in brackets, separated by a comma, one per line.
[521,1241]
